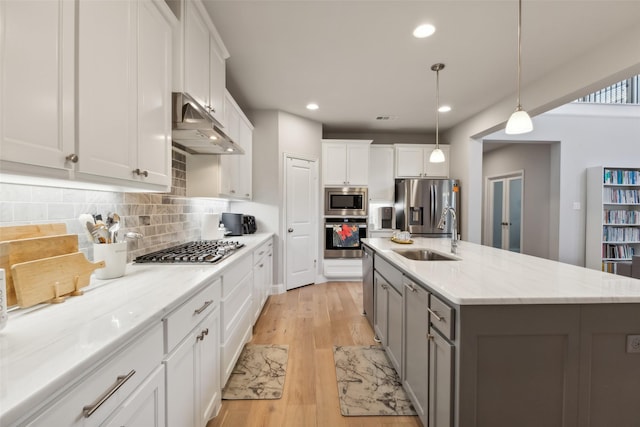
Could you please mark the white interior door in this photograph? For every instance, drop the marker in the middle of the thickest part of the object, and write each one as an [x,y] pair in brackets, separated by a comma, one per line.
[301,198]
[505,212]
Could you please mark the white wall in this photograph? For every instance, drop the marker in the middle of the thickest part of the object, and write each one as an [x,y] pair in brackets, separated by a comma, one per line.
[535,161]
[588,135]
[276,133]
[611,61]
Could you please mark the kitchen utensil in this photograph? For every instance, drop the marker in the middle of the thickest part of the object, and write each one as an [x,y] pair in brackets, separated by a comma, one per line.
[17,251]
[31,230]
[99,232]
[133,235]
[113,225]
[51,278]
[86,219]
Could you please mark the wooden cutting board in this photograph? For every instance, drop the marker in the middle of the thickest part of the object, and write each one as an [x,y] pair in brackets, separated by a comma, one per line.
[48,279]
[18,251]
[16,232]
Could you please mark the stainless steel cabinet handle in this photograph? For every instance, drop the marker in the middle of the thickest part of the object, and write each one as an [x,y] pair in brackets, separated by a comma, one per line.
[73,158]
[141,172]
[88,410]
[434,314]
[430,337]
[202,335]
[260,253]
[204,307]
[411,287]
[233,191]
[261,265]
[290,230]
[246,194]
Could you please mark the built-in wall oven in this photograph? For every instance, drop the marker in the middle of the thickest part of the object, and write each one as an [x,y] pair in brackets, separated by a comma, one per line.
[343,237]
[345,201]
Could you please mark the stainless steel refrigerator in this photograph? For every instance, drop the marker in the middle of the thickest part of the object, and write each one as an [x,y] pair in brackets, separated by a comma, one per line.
[419,204]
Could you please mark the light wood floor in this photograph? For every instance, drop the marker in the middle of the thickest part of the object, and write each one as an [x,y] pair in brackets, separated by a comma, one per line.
[311,320]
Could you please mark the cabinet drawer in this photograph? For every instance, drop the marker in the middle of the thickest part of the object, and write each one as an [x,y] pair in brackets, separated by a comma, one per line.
[262,251]
[121,375]
[232,277]
[442,317]
[181,321]
[389,272]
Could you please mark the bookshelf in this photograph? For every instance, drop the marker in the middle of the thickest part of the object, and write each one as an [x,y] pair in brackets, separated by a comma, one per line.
[613,217]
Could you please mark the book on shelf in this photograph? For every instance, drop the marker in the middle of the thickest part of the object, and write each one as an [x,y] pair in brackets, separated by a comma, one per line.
[621,176]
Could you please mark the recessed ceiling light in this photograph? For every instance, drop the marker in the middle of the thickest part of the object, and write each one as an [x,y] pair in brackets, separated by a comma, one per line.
[444,109]
[213,137]
[424,30]
[230,150]
[312,106]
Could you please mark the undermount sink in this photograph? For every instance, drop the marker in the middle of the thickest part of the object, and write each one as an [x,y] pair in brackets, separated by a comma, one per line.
[424,255]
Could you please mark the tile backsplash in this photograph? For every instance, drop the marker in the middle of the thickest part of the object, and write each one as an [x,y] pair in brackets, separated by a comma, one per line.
[165,219]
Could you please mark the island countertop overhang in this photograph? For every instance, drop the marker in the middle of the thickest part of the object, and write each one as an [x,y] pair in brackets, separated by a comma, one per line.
[488,276]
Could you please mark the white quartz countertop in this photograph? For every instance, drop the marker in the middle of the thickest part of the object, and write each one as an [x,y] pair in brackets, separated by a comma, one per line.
[46,347]
[486,276]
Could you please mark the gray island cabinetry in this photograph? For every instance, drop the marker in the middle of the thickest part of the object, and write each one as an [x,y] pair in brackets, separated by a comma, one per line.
[494,338]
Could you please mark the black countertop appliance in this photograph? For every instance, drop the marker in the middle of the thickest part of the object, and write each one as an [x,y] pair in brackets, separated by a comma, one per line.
[233,223]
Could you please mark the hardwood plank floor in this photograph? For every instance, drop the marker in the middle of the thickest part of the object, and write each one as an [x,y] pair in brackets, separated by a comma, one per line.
[311,320]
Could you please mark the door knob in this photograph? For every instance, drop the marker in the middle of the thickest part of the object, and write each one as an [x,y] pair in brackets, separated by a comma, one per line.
[290,230]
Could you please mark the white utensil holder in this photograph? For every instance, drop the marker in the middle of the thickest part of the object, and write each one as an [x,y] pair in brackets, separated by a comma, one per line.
[115,257]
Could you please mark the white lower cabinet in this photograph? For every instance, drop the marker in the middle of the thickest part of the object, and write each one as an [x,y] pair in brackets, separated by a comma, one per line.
[145,406]
[262,273]
[235,314]
[193,383]
[113,388]
[416,347]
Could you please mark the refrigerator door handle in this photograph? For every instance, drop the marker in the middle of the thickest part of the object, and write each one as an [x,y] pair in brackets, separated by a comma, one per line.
[432,201]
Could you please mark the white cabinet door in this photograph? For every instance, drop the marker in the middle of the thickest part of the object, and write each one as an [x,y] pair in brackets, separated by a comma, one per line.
[196,54]
[182,394]
[235,169]
[107,88]
[123,93]
[412,161]
[358,164]
[334,164]
[207,372]
[416,347]
[381,178]
[37,75]
[154,95]
[409,161]
[145,407]
[217,81]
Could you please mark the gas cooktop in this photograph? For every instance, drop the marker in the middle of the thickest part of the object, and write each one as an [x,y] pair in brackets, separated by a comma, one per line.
[197,252]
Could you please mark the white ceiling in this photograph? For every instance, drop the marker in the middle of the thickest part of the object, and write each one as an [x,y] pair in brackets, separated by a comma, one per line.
[358,60]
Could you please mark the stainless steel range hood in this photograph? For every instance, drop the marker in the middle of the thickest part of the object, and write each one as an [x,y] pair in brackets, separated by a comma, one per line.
[196,131]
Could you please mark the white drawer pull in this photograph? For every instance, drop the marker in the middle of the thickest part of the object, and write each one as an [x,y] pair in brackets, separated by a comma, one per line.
[90,409]
[434,314]
[204,307]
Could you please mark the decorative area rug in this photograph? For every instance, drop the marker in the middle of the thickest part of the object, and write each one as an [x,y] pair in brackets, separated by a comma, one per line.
[258,374]
[368,384]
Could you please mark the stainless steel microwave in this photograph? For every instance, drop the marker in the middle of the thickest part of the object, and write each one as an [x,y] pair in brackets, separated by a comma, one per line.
[345,201]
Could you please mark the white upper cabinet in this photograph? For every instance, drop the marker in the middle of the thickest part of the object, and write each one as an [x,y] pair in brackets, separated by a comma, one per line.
[124,91]
[412,161]
[37,78]
[95,76]
[235,169]
[345,162]
[200,60]
[381,183]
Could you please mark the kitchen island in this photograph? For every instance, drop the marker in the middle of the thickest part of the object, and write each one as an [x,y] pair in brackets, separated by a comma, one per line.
[56,360]
[494,338]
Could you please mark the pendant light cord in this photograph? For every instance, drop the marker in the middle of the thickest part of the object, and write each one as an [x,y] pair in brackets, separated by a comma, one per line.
[519,107]
[437,104]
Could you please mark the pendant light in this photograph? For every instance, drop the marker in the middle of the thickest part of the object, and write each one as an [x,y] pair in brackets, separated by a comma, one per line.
[519,122]
[437,156]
